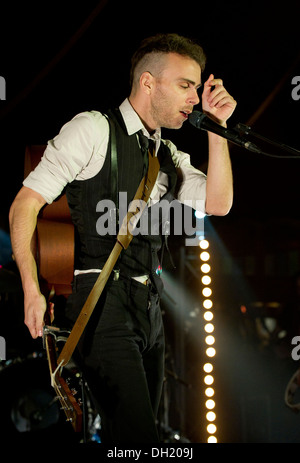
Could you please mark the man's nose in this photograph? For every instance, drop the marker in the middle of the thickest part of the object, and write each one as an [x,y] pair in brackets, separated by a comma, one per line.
[193,97]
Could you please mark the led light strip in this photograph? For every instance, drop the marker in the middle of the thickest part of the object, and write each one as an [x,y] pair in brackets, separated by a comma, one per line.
[209,341]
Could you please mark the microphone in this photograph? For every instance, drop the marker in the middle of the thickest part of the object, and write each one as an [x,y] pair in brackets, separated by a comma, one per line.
[204,122]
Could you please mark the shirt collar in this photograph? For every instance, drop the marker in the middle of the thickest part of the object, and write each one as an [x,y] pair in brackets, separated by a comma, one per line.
[133,122]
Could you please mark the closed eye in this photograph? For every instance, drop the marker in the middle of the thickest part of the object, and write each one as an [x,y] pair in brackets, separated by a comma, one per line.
[189,84]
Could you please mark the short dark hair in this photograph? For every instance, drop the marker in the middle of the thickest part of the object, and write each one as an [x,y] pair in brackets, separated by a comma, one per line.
[168,43]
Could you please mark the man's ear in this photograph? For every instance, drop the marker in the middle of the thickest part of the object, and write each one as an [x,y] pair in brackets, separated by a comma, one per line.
[146,82]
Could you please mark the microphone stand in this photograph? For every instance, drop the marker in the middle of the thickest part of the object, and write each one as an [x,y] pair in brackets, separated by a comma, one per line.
[239,135]
[246,130]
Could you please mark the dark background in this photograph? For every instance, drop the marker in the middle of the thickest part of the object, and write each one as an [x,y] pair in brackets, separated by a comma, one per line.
[59,59]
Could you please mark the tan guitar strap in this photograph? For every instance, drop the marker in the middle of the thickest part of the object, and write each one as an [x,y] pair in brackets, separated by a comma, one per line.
[124,238]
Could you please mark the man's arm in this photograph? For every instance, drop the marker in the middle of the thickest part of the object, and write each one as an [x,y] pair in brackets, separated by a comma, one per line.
[218,104]
[23,218]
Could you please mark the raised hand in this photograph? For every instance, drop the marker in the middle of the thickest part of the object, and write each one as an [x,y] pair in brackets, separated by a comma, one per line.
[216,101]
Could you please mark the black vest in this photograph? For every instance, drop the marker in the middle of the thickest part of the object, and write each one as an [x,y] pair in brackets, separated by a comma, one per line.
[92,249]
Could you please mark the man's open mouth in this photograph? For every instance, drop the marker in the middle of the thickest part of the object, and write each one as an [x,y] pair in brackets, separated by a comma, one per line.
[185,113]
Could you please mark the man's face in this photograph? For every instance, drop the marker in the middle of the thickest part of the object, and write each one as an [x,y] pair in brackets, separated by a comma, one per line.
[175,91]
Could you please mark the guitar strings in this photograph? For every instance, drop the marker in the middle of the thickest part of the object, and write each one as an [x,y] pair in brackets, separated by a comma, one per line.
[60,396]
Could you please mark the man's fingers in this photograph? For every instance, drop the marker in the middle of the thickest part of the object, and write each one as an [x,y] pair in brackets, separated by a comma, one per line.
[35,327]
[212,82]
[216,101]
[31,327]
[217,95]
[220,98]
[224,101]
[34,315]
[214,91]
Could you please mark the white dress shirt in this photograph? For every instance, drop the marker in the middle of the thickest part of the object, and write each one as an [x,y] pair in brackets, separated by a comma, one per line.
[78,153]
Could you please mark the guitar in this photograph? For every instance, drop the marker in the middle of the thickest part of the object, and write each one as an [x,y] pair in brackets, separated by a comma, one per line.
[66,396]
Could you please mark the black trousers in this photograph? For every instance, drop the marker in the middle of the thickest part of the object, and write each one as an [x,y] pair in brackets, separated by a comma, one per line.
[122,351]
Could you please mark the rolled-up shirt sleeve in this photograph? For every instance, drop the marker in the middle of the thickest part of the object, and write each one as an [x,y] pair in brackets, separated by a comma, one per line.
[68,155]
[191,187]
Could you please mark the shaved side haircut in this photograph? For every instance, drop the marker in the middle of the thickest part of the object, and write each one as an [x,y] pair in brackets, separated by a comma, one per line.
[151,53]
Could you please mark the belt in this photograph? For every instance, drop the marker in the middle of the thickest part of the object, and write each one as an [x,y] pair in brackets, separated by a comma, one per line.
[143,279]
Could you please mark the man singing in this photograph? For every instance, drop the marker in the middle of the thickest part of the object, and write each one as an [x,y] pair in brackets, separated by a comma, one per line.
[122,349]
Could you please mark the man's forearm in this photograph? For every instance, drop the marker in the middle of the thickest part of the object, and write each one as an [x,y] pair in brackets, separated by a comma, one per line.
[23,217]
[219,187]
[22,229]
[219,105]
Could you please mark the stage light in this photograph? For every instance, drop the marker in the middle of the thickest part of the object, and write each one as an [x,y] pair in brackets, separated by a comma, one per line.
[205,256]
[200,214]
[210,340]
[204,244]
[212,440]
[206,280]
[211,428]
[211,416]
[209,392]
[209,328]
[208,379]
[205,268]
[210,351]
[208,315]
[210,404]
[208,368]
[207,292]
[207,304]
